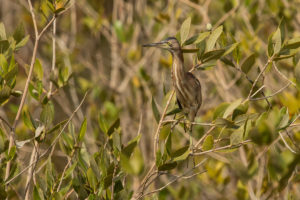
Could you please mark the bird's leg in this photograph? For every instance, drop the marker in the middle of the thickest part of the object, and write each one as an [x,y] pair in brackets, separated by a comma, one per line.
[191,142]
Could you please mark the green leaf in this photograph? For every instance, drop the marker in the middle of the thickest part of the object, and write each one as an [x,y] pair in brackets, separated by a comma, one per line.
[167,166]
[4,94]
[174,111]
[297,72]
[208,143]
[231,48]
[219,111]
[37,193]
[4,45]
[125,164]
[241,119]
[64,73]
[128,149]
[114,126]
[241,109]
[22,43]
[213,38]
[70,170]
[276,39]
[3,63]
[211,55]
[116,137]
[38,69]
[292,43]
[19,33]
[169,144]
[261,134]
[57,11]
[232,107]
[11,153]
[102,123]
[179,152]
[185,29]
[155,110]
[270,46]
[191,40]
[57,126]
[27,120]
[47,114]
[237,136]
[202,36]
[225,122]
[91,178]
[189,50]
[283,57]
[82,130]
[283,118]
[227,61]
[2,32]
[248,63]
[119,30]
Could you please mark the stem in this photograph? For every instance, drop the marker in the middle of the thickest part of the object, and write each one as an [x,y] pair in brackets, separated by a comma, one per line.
[53,56]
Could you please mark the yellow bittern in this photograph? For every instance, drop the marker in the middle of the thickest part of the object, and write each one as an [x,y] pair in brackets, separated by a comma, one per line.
[187,86]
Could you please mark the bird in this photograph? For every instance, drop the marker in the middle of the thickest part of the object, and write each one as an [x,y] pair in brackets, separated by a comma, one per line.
[187,86]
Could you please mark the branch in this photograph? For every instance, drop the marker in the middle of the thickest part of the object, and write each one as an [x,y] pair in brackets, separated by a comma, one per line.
[53,56]
[156,139]
[275,93]
[203,137]
[260,73]
[221,148]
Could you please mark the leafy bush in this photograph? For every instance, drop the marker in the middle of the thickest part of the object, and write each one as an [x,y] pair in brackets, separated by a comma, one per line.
[87,113]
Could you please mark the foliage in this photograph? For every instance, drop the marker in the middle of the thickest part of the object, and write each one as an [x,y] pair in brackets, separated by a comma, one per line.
[86,113]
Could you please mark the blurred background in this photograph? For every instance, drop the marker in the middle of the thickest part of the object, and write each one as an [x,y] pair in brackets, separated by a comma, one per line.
[99,50]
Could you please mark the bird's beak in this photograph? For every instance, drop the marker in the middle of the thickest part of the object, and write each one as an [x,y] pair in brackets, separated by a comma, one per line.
[161,44]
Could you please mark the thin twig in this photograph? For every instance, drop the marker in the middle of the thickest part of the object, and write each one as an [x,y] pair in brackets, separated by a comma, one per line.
[201,9]
[64,171]
[6,122]
[221,148]
[156,140]
[260,73]
[203,137]
[194,123]
[257,91]
[53,56]
[295,144]
[146,178]
[228,14]
[275,93]
[282,75]
[34,157]
[286,144]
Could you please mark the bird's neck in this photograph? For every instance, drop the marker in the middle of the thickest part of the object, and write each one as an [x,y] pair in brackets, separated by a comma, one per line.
[178,70]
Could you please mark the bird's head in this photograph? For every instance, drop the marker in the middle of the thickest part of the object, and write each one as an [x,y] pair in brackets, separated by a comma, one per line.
[171,44]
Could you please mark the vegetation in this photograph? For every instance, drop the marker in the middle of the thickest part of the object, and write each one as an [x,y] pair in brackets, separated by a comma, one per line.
[87,113]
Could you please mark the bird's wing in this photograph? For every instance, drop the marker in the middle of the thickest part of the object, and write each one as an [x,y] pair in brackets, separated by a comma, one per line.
[195,83]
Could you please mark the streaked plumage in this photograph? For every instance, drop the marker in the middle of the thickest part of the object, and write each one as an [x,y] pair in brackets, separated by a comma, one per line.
[187,86]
